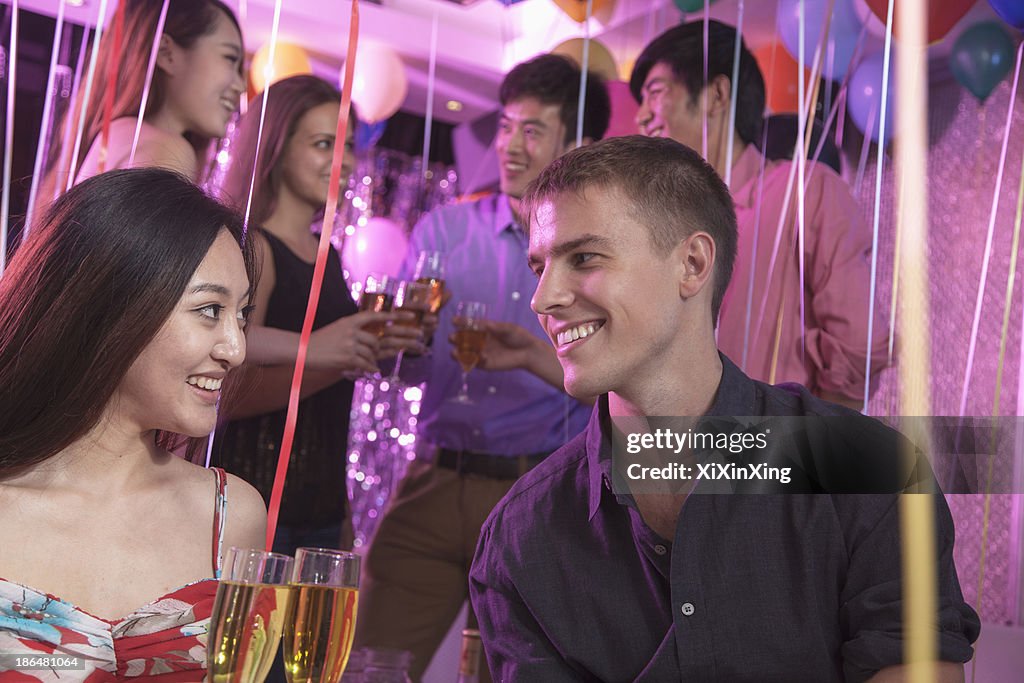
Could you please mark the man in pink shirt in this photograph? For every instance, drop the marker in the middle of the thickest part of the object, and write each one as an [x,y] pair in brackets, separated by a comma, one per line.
[777,324]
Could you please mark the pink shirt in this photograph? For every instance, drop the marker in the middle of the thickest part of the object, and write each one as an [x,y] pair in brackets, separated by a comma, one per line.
[837,272]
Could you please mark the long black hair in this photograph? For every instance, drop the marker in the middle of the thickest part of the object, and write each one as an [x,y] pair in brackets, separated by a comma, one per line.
[87,292]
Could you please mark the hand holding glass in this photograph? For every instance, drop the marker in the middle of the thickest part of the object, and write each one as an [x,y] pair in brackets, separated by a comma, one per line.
[378,295]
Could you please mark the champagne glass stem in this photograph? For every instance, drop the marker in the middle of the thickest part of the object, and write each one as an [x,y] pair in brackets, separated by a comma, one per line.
[394,378]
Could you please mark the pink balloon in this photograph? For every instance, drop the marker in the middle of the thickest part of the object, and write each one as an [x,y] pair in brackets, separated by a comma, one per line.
[377,247]
[624,109]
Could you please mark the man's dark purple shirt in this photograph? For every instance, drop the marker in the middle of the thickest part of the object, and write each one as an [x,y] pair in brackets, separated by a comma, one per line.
[570,584]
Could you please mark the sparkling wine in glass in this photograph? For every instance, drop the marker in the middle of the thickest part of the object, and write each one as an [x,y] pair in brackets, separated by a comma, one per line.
[430,271]
[249,614]
[321,623]
[470,337]
[378,295]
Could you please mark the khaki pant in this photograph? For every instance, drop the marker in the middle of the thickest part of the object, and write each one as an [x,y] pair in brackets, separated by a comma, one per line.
[415,577]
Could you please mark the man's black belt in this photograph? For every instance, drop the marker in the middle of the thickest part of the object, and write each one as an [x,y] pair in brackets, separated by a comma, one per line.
[487,464]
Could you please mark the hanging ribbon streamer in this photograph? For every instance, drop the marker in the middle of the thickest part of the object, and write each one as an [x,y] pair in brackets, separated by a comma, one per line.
[5,199]
[972,345]
[583,75]
[318,277]
[45,128]
[917,521]
[150,70]
[90,75]
[887,55]
[268,78]
[733,95]
[801,170]
[428,123]
[799,154]
[248,201]
[1010,278]
[63,161]
[108,96]
[704,106]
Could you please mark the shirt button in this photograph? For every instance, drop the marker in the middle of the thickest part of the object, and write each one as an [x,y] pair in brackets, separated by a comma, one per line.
[660,549]
[515,296]
[687,608]
[476,432]
[492,390]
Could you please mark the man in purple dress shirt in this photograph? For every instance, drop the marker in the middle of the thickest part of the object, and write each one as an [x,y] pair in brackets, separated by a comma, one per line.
[779,324]
[588,570]
[415,578]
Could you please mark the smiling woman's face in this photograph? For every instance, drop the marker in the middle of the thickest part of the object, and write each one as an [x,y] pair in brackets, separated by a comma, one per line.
[306,163]
[174,384]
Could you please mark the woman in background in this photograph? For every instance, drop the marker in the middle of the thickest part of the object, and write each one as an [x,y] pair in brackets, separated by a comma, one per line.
[292,176]
[195,90]
[119,319]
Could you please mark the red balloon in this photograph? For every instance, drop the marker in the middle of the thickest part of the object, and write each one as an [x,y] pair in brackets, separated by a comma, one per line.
[942,15]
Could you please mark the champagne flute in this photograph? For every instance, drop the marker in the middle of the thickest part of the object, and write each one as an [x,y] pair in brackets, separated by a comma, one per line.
[430,271]
[470,337]
[411,297]
[321,622]
[378,295]
[253,599]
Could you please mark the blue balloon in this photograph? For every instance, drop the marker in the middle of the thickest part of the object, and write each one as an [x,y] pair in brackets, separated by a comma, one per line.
[1012,12]
[844,31]
[367,134]
[982,57]
[864,97]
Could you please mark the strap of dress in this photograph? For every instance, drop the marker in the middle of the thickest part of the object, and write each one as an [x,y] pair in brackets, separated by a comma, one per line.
[219,515]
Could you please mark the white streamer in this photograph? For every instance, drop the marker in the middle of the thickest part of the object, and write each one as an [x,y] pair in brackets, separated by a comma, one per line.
[5,202]
[44,125]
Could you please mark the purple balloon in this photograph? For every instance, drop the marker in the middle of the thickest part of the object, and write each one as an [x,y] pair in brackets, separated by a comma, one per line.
[864,98]
[1012,11]
[844,30]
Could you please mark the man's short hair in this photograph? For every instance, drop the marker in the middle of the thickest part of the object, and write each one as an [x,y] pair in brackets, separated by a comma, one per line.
[682,49]
[671,189]
[555,79]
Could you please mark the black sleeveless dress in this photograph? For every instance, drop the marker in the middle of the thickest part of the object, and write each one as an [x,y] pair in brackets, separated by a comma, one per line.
[315,493]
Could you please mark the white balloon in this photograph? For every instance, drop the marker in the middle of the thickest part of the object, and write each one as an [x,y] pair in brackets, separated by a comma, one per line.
[379,84]
[377,247]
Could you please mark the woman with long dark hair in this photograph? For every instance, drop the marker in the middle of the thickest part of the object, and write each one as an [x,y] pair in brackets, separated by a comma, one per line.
[195,90]
[292,174]
[119,319]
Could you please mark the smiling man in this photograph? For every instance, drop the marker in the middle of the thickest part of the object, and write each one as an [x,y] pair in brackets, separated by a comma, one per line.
[580,576]
[468,455]
[784,319]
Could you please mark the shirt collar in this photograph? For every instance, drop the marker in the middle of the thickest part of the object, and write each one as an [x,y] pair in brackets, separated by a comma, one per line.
[504,219]
[736,396]
[744,172]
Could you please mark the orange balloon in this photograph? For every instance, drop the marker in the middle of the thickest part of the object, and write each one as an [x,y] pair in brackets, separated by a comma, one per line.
[577,9]
[599,59]
[289,60]
[781,78]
